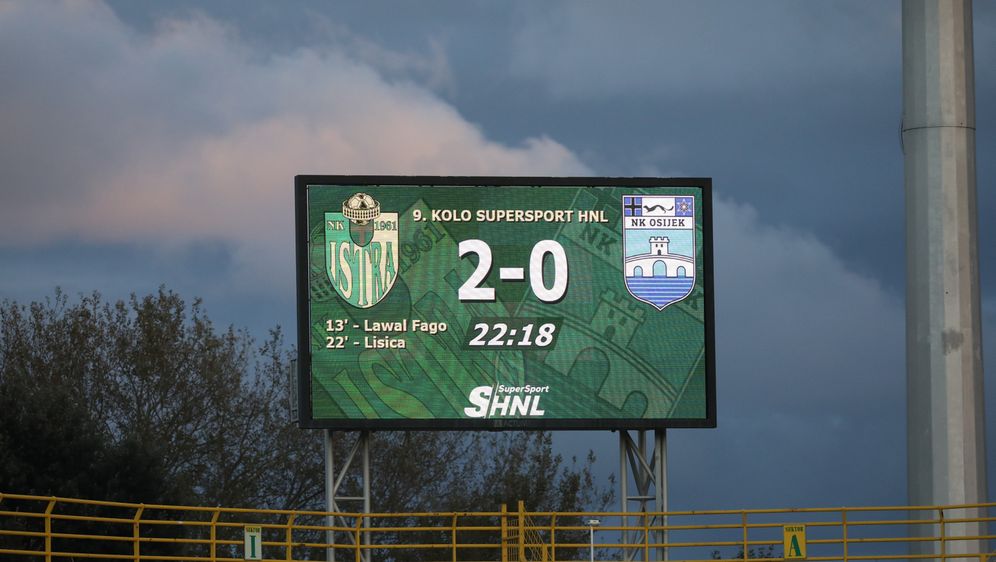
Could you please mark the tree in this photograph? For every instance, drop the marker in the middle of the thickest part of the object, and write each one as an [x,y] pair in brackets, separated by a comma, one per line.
[206,404]
[50,444]
[480,472]
[203,412]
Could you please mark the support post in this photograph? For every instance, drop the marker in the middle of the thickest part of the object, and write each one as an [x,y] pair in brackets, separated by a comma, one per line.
[660,488]
[591,543]
[522,531]
[136,535]
[365,437]
[453,537]
[946,454]
[330,506]
[48,530]
[648,468]
[553,537]
[214,534]
[334,479]
[624,442]
[504,533]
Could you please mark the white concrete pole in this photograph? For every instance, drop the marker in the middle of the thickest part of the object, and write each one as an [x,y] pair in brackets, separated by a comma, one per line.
[946,451]
[591,531]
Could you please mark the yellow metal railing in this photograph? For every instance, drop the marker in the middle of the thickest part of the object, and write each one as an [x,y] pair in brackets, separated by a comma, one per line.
[522,538]
[51,528]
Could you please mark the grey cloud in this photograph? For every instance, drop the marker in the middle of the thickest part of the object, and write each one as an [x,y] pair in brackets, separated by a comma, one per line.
[593,50]
[811,373]
[186,133]
[821,327]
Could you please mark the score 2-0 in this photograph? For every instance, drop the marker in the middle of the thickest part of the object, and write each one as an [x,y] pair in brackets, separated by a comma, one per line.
[473,289]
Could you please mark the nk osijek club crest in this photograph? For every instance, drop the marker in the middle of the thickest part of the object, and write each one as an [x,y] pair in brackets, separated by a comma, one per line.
[361,250]
[659,248]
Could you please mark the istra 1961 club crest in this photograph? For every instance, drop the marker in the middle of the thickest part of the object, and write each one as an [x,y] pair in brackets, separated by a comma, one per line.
[361,250]
[659,248]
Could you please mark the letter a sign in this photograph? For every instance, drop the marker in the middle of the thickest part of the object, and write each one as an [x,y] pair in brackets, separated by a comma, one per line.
[794,542]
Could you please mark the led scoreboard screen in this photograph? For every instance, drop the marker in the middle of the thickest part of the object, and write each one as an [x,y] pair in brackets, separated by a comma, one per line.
[504,303]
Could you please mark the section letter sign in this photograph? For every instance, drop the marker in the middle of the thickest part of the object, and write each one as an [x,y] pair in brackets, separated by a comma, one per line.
[252,544]
[504,303]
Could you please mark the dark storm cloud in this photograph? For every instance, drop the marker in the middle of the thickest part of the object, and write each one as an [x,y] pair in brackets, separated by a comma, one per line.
[670,50]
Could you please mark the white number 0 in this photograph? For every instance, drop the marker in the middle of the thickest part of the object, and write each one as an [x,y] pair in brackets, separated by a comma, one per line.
[540,250]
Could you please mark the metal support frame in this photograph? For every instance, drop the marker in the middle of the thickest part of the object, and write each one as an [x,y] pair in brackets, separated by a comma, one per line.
[649,470]
[333,481]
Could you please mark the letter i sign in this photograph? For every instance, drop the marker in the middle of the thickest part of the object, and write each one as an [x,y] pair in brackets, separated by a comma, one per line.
[794,542]
[253,543]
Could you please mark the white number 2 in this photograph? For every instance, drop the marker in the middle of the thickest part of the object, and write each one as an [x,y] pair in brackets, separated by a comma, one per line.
[471,290]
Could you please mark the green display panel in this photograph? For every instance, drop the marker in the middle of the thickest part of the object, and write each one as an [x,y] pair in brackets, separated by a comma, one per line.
[504,303]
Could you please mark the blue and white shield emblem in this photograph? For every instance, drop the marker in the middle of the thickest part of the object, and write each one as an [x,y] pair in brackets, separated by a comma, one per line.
[659,248]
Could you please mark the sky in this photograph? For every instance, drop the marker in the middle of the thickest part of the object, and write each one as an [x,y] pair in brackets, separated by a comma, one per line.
[144,144]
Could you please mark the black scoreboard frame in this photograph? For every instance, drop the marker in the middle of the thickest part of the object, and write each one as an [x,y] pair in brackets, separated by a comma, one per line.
[304,376]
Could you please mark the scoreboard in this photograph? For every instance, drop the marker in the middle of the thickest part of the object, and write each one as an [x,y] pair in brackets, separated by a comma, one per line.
[504,302]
